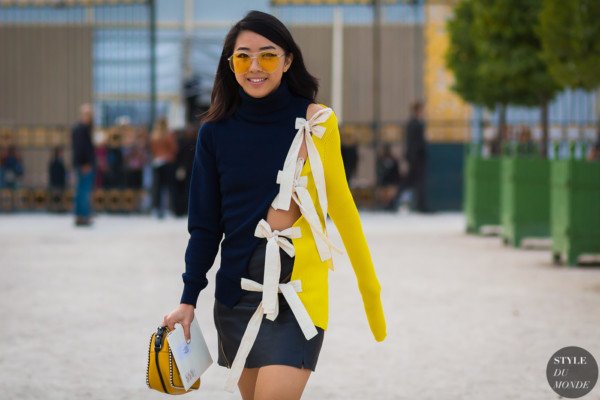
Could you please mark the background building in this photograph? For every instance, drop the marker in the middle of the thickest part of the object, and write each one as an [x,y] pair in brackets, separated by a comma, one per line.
[146,59]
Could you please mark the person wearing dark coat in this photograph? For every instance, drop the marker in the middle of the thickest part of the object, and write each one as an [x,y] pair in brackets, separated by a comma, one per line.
[12,166]
[388,177]
[57,171]
[84,161]
[416,157]
[184,162]
[350,159]
[57,174]
[594,154]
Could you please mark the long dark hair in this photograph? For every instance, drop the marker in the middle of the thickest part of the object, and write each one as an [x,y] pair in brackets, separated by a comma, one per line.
[225,96]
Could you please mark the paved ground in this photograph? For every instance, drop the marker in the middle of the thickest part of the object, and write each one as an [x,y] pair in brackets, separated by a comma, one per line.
[467,317]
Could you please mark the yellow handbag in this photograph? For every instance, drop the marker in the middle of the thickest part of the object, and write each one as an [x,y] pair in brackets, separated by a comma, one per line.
[162,373]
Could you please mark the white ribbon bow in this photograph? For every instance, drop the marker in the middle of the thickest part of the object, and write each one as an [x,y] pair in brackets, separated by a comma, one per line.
[292,183]
[289,291]
[301,196]
[305,130]
[272,271]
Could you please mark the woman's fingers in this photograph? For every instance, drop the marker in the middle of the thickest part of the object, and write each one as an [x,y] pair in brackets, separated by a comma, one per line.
[186,331]
[180,316]
[169,321]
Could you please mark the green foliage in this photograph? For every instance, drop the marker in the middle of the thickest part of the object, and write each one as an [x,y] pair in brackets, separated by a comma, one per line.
[509,49]
[570,35]
[462,58]
[495,53]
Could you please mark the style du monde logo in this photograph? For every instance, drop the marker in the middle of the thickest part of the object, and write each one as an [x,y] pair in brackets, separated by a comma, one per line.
[572,372]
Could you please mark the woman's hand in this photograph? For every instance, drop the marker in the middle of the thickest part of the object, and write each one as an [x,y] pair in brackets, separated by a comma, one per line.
[184,314]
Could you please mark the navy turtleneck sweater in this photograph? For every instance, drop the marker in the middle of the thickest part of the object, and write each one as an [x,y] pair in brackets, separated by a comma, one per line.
[232,186]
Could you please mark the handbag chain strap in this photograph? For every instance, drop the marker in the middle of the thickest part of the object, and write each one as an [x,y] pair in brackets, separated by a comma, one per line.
[158,339]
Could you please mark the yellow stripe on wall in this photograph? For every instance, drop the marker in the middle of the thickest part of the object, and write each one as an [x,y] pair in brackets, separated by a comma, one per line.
[447,114]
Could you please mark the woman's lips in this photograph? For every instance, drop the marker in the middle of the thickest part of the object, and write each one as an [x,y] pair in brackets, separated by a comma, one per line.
[258,83]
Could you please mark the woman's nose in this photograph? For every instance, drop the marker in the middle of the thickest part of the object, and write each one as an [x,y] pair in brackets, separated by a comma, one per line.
[255,65]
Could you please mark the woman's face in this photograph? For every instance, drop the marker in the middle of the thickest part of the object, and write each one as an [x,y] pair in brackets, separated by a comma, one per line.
[256,82]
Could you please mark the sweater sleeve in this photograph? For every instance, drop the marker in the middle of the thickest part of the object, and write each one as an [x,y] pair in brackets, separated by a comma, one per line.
[204,218]
[344,215]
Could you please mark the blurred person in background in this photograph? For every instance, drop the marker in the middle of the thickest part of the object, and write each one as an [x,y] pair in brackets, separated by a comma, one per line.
[114,178]
[594,154]
[12,168]
[503,136]
[415,154]
[526,145]
[101,153]
[84,162]
[57,177]
[147,172]
[350,159]
[388,177]
[489,140]
[2,157]
[134,153]
[164,151]
[183,169]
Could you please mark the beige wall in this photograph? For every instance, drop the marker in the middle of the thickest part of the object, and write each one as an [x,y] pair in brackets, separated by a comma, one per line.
[315,43]
[45,74]
[400,69]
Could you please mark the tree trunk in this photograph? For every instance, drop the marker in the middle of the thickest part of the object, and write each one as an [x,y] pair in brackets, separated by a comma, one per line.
[502,128]
[544,122]
[598,115]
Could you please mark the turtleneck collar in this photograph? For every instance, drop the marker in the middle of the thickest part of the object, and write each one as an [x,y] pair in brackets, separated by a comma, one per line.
[264,109]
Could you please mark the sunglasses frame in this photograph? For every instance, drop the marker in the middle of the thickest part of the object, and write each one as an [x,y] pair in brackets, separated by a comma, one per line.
[252,56]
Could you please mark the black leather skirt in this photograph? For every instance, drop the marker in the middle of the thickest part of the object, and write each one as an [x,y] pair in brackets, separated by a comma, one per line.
[279,342]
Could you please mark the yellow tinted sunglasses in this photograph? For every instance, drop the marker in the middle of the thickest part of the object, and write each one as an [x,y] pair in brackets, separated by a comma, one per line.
[241,62]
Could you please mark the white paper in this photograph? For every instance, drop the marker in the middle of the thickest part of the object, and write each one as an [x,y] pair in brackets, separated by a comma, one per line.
[191,359]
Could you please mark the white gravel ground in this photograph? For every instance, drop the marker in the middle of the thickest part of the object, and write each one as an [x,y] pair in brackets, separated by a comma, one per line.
[467,317]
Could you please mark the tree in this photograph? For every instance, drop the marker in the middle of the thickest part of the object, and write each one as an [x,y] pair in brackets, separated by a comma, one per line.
[462,57]
[498,42]
[510,50]
[570,35]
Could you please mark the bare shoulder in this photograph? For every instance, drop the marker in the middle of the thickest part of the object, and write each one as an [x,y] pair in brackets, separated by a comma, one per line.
[312,110]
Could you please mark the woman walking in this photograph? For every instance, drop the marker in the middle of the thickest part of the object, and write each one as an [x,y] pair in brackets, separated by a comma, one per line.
[164,150]
[267,172]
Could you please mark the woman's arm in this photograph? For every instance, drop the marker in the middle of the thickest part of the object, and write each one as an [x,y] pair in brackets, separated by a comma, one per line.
[344,215]
[204,218]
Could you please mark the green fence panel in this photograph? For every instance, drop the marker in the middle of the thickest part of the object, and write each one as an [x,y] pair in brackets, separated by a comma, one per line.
[575,208]
[482,191]
[525,198]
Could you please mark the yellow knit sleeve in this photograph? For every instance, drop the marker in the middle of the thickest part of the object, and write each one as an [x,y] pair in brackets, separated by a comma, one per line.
[344,215]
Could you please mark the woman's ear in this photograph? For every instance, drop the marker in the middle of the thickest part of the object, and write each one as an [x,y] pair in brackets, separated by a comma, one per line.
[288,62]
